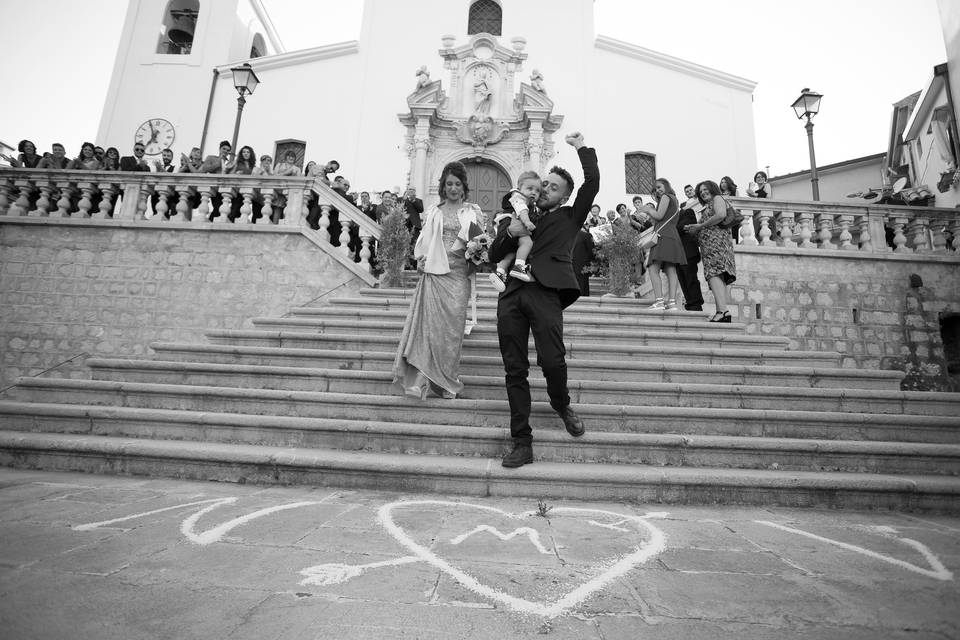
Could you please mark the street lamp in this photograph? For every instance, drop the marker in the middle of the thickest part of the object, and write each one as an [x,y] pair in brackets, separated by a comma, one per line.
[807,106]
[245,81]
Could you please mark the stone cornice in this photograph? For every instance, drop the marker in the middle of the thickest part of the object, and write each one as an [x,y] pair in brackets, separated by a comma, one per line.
[295,57]
[676,64]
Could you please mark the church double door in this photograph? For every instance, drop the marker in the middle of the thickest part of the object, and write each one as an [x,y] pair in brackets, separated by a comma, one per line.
[488,184]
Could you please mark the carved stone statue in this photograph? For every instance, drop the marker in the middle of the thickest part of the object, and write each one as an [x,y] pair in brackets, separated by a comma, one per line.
[536,81]
[482,95]
[423,77]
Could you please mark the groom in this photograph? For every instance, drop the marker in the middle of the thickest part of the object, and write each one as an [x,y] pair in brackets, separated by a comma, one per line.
[538,306]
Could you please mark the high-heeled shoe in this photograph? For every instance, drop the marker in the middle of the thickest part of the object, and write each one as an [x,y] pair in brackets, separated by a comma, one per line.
[420,388]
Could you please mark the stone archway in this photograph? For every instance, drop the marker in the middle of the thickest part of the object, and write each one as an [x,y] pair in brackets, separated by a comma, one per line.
[488,184]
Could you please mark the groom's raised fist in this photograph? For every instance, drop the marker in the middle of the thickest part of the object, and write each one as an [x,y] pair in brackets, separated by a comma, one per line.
[574,139]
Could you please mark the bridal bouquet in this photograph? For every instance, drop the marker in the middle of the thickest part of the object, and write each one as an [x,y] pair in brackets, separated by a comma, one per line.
[478,249]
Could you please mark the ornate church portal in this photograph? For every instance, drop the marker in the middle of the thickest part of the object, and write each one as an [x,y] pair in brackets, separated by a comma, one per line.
[496,128]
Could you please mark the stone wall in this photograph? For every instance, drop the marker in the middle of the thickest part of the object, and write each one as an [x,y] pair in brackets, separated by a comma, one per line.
[69,291]
[862,306]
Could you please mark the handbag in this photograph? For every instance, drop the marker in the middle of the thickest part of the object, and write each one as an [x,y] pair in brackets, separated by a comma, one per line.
[650,237]
[733,218]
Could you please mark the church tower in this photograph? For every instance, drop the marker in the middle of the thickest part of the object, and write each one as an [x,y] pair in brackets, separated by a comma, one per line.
[162,78]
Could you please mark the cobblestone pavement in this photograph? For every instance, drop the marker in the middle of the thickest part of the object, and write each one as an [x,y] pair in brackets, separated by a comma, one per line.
[86,556]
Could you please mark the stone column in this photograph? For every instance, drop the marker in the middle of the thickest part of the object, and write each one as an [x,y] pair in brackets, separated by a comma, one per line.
[421,144]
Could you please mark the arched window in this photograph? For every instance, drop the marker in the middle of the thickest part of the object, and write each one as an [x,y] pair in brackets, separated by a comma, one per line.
[258,48]
[178,27]
[486,16]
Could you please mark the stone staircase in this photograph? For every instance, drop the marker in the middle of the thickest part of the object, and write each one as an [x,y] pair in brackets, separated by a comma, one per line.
[677,410]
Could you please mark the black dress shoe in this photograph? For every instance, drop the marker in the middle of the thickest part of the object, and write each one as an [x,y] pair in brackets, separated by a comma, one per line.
[572,422]
[522,454]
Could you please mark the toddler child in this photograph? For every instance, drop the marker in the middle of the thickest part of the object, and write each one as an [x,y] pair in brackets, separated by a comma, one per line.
[520,204]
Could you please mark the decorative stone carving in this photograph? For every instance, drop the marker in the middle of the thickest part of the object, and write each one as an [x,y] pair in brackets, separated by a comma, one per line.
[487,113]
[536,81]
[423,77]
[481,131]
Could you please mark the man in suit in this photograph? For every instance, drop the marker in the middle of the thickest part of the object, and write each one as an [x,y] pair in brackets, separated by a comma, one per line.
[687,274]
[538,306]
[414,212]
[136,161]
[581,256]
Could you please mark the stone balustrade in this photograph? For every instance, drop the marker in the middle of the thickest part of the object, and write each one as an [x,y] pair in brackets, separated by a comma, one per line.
[183,199]
[842,227]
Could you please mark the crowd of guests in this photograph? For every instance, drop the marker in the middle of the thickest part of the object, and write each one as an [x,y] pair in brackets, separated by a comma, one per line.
[245,162]
[689,233]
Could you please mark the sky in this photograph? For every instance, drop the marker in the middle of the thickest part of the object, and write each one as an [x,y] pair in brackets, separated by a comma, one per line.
[862,55]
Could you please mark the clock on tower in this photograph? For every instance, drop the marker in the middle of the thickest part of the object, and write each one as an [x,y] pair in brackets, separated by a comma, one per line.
[156,134]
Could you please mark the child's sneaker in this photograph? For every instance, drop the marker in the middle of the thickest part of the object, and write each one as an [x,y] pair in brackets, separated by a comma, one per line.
[499,281]
[522,272]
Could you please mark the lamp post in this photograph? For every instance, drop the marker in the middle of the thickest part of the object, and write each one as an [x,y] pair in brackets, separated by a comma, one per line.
[245,81]
[807,106]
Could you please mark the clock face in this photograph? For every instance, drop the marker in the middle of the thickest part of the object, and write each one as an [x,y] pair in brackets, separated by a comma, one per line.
[156,134]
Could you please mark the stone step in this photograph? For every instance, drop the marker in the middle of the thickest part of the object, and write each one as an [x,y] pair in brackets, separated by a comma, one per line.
[401,298]
[688,394]
[475,476]
[361,335]
[690,403]
[686,323]
[785,454]
[603,357]
[588,380]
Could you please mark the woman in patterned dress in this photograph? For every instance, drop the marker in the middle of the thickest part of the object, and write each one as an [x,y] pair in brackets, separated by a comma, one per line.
[716,246]
[428,358]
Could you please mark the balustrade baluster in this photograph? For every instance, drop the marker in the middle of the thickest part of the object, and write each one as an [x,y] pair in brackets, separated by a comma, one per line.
[863,225]
[267,211]
[83,207]
[106,201]
[325,221]
[786,226]
[183,205]
[764,217]
[846,238]
[22,204]
[826,231]
[365,251]
[142,197]
[345,226]
[43,202]
[900,240]
[161,209]
[806,229]
[207,192]
[302,212]
[66,196]
[918,232]
[7,196]
[954,226]
[225,207]
[246,209]
[938,231]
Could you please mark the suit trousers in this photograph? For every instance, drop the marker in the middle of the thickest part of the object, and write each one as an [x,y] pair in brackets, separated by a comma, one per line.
[690,285]
[528,308]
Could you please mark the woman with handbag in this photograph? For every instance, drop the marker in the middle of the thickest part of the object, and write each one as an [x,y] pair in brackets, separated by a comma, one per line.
[716,245]
[667,252]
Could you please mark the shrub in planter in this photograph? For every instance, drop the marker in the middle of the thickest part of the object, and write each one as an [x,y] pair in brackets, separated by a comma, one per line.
[619,256]
[394,249]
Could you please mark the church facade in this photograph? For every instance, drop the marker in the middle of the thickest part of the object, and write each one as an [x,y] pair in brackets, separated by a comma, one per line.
[495,84]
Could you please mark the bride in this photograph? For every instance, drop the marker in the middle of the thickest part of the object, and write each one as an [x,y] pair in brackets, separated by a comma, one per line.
[428,358]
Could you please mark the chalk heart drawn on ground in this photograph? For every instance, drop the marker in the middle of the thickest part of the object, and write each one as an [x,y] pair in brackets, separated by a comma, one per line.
[531,564]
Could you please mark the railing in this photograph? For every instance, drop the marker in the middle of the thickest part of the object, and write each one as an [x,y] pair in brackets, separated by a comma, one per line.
[185,199]
[838,226]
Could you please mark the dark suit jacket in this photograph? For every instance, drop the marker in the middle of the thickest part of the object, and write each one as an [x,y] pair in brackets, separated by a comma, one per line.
[582,255]
[129,163]
[414,210]
[553,238]
[690,246]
